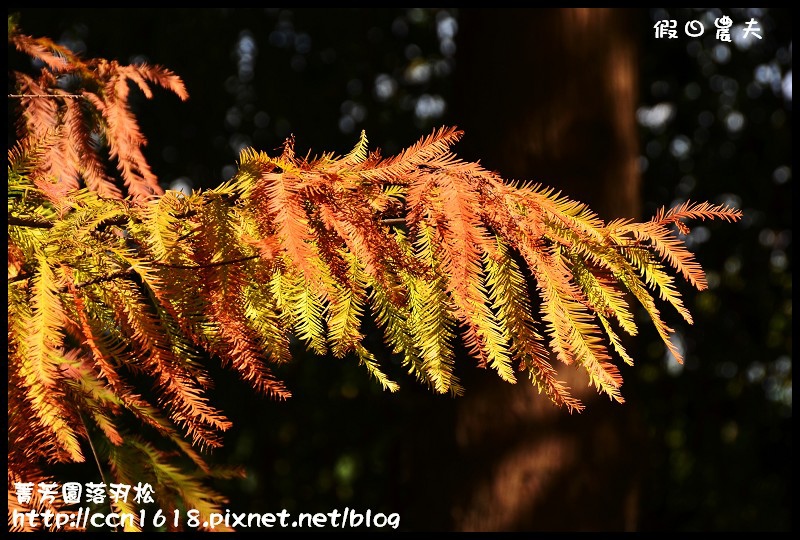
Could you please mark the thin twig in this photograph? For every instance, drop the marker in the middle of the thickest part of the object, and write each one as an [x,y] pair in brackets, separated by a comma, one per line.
[73,96]
[121,273]
[394,221]
[29,222]
[101,279]
[96,459]
[209,265]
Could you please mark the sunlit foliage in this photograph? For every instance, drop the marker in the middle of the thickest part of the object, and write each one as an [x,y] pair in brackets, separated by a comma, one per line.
[118,289]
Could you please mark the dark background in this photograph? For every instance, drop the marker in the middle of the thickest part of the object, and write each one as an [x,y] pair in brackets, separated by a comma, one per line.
[712,450]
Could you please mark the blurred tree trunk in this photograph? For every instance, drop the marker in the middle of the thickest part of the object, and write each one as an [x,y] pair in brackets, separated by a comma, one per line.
[550,94]
[547,95]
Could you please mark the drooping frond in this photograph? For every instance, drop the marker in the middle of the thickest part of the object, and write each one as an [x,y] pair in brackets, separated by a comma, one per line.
[40,365]
[573,335]
[655,277]
[96,108]
[83,152]
[44,49]
[394,320]
[165,78]
[432,319]
[508,290]
[172,479]
[39,114]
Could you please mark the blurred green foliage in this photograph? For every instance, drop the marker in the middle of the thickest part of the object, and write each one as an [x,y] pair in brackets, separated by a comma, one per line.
[720,426]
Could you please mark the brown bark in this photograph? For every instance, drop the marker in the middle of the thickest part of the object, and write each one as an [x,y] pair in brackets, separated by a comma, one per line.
[548,95]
